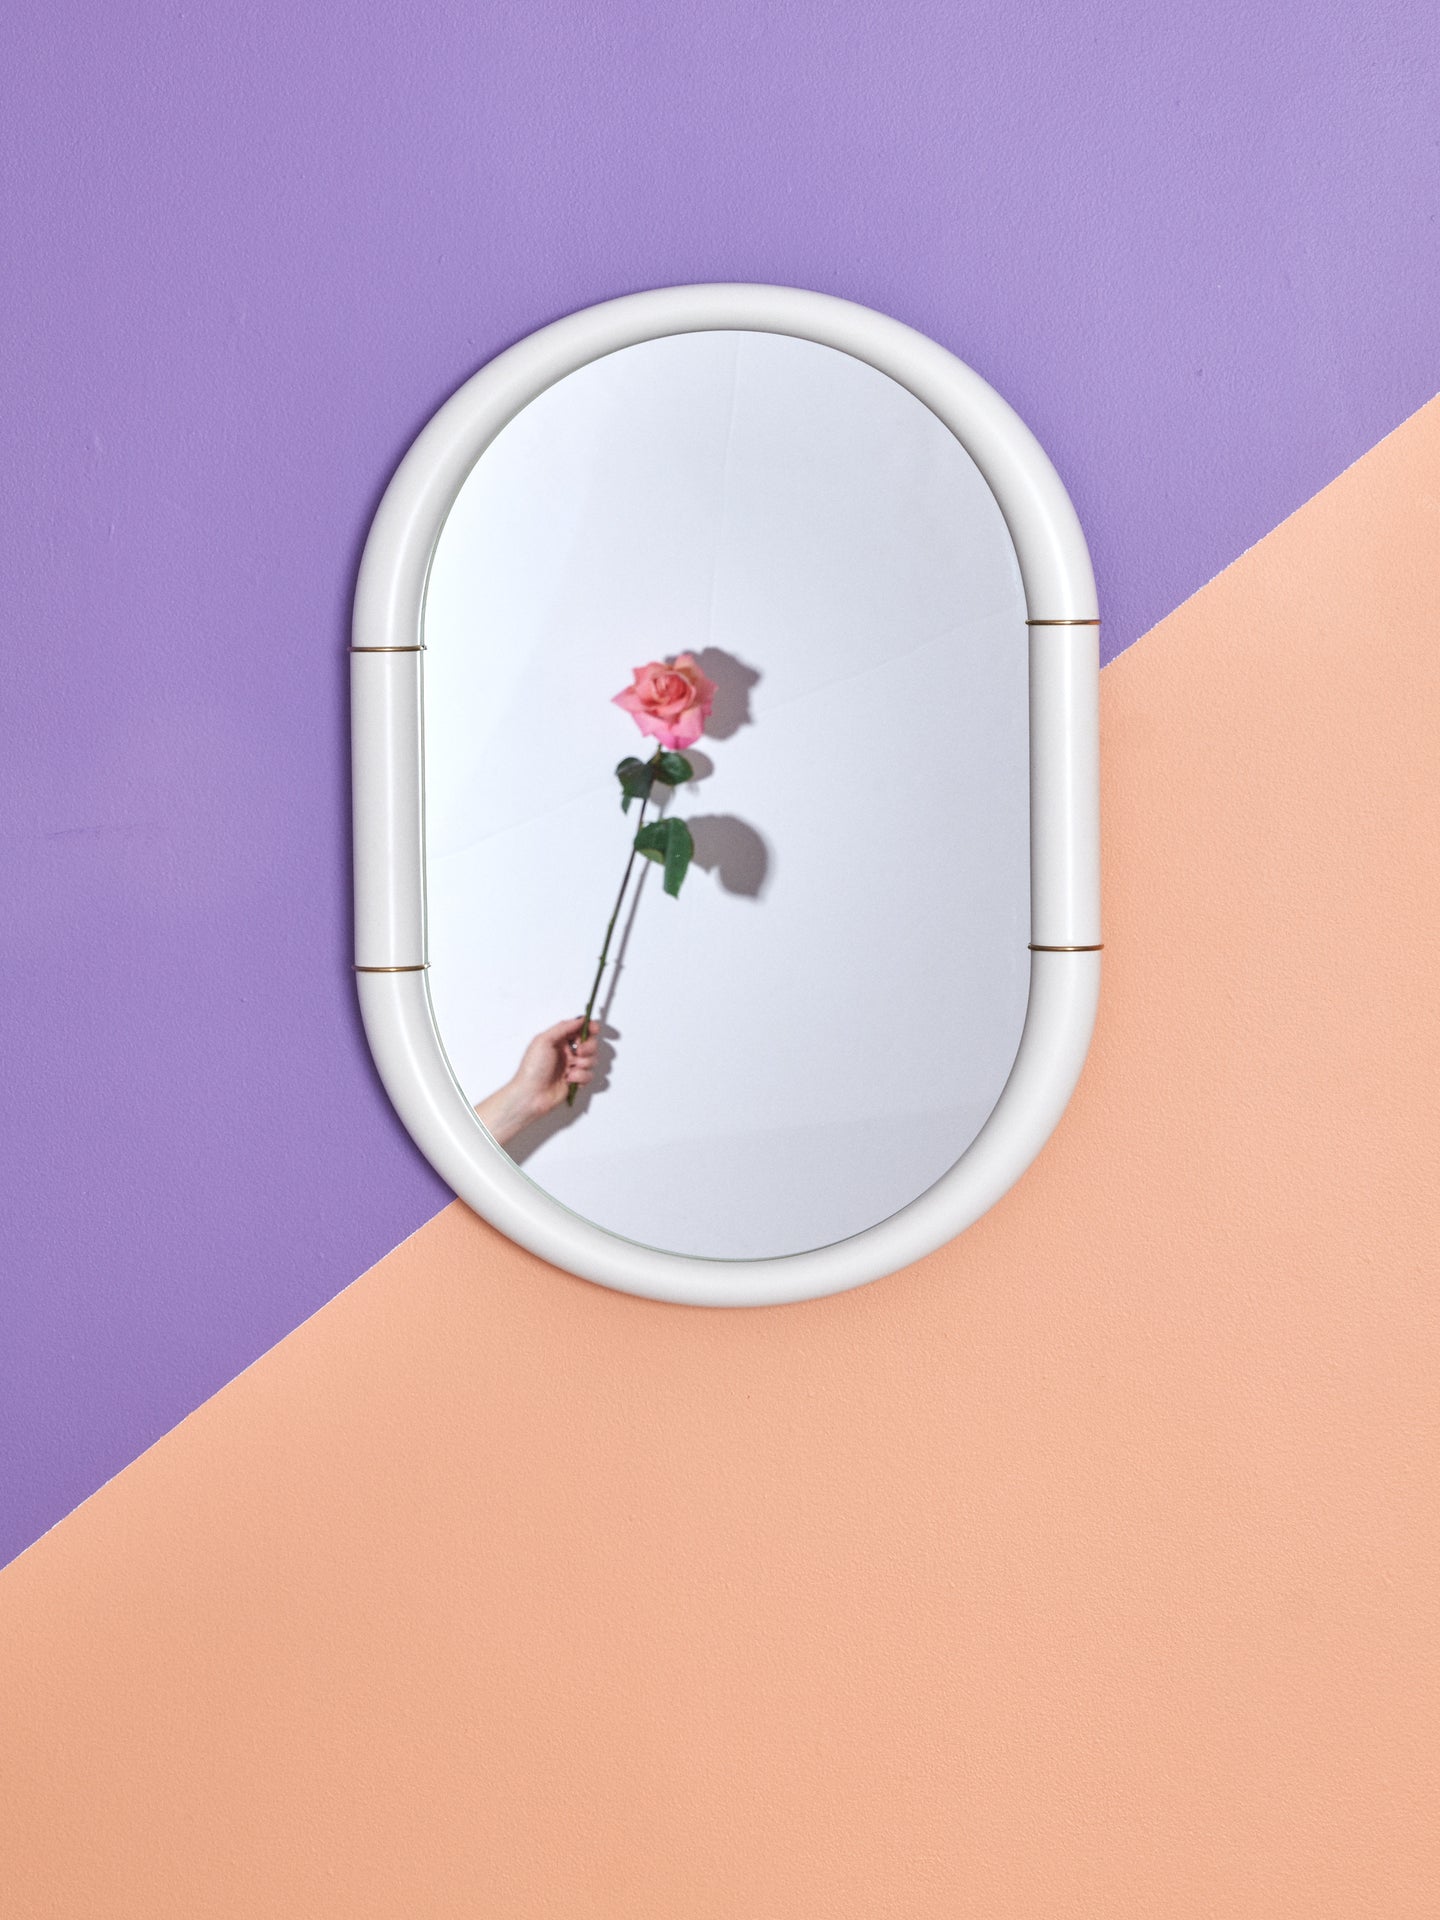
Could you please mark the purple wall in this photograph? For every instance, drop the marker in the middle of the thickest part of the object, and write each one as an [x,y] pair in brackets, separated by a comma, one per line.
[249,249]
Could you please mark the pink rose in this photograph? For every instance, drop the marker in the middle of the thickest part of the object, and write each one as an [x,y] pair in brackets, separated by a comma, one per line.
[670,701]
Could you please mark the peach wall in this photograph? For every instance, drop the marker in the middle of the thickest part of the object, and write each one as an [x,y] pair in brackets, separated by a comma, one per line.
[1088,1568]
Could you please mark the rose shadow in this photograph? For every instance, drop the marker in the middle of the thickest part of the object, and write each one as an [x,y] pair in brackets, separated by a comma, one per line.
[733,683]
[733,851]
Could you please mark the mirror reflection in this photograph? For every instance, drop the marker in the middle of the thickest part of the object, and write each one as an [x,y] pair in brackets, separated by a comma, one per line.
[726,790]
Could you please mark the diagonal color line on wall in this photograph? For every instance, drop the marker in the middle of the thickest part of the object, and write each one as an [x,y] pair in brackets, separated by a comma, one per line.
[1086,1567]
[1173,624]
[1193,246]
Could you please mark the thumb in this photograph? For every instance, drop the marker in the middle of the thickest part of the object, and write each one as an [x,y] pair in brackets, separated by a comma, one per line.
[562,1029]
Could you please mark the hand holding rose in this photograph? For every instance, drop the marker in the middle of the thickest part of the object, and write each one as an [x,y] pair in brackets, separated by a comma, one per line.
[555,1062]
[670,700]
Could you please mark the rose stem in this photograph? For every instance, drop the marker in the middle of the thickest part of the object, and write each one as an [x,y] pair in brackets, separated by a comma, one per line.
[584,1033]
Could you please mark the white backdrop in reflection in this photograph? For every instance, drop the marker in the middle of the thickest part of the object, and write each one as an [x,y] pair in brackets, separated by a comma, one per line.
[817,1028]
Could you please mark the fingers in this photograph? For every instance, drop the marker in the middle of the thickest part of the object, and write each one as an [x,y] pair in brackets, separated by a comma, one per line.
[559,1050]
[580,1056]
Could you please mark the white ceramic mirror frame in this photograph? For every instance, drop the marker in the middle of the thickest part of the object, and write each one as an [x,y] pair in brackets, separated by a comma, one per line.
[389,815]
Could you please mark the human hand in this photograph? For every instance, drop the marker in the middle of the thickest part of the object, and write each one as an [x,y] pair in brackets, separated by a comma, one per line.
[554,1061]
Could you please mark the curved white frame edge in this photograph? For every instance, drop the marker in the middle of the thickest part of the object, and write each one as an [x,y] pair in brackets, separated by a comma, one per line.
[388,778]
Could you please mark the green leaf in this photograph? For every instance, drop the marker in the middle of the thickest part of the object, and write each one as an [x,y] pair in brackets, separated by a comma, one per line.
[636,778]
[673,768]
[653,839]
[678,855]
[668,843]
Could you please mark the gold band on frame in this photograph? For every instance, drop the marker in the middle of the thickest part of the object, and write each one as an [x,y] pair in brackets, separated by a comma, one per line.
[423,967]
[1062,623]
[387,649]
[1099,947]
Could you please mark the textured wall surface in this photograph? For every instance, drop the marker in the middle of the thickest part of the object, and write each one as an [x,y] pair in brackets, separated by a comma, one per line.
[249,249]
[1087,1568]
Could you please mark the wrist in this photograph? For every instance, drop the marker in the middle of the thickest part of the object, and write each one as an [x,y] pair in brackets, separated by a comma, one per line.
[506,1111]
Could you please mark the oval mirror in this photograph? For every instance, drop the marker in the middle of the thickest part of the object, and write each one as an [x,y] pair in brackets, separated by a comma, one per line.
[724,703]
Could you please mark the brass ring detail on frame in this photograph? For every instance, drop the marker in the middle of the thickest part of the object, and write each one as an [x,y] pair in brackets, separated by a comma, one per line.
[423,967]
[1063,623]
[1099,947]
[387,649]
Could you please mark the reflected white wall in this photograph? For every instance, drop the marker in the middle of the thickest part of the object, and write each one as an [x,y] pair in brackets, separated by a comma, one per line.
[788,1067]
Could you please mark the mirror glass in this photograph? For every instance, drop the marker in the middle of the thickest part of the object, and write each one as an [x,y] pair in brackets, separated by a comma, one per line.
[815,985]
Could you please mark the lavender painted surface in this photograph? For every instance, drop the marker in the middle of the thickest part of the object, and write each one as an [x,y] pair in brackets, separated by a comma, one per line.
[248,250]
